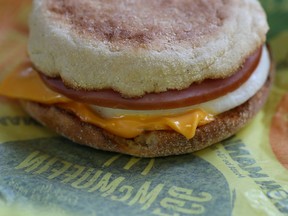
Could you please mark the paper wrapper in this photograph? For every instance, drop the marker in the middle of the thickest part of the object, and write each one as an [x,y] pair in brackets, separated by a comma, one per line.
[42,172]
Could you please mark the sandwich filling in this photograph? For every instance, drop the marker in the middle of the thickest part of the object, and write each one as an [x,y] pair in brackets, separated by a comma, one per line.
[129,123]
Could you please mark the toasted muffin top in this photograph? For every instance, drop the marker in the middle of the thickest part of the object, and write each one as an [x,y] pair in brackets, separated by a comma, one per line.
[142,46]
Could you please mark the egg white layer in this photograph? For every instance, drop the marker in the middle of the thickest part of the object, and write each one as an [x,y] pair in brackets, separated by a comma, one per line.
[215,106]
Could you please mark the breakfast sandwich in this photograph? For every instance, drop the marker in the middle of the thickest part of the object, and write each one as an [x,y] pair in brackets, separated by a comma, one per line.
[145,78]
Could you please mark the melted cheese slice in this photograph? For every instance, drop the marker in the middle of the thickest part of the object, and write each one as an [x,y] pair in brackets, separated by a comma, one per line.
[25,83]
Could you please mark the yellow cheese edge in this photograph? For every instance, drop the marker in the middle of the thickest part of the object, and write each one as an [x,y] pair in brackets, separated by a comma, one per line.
[25,83]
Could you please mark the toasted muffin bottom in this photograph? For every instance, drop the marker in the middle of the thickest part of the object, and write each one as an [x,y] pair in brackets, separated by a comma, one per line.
[149,143]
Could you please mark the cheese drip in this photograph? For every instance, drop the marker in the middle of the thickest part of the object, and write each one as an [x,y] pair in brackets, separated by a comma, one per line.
[26,84]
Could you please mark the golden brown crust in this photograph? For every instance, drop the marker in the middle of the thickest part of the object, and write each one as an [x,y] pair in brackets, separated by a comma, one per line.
[149,144]
[135,23]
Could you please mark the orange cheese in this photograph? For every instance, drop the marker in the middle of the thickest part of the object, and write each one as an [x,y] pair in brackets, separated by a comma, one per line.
[26,84]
